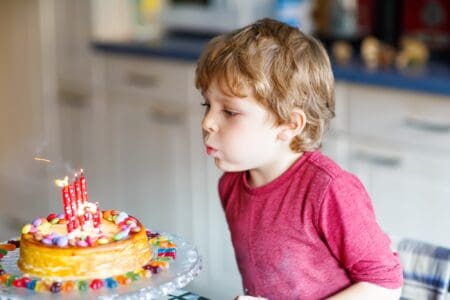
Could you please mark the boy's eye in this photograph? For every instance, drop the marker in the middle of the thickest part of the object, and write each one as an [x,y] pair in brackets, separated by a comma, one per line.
[205,104]
[230,113]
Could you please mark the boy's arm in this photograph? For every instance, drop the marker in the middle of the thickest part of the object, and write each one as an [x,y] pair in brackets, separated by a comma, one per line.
[367,291]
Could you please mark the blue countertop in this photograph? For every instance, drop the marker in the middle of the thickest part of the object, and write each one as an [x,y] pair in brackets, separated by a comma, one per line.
[435,78]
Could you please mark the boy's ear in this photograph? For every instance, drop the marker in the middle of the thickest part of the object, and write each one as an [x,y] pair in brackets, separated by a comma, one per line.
[294,127]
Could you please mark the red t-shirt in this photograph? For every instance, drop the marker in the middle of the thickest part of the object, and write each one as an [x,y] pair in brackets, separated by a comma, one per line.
[308,234]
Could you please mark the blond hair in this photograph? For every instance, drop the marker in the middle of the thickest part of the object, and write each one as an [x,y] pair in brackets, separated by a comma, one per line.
[285,68]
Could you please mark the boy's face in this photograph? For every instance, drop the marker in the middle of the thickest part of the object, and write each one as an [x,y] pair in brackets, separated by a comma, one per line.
[239,133]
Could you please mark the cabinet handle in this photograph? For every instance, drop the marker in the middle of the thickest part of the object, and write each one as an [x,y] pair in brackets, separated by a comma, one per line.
[73,98]
[377,159]
[425,125]
[142,80]
[165,115]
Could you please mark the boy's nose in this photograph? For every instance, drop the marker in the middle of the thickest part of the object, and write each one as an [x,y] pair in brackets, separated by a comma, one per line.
[208,123]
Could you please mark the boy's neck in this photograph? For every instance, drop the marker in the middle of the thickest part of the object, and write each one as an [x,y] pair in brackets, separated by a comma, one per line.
[263,175]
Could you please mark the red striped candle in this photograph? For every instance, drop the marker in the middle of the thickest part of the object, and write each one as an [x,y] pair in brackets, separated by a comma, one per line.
[67,207]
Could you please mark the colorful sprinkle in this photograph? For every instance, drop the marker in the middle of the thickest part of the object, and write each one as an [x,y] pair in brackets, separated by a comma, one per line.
[32,284]
[67,286]
[136,229]
[103,241]
[62,241]
[82,286]
[81,243]
[121,235]
[55,287]
[37,222]
[26,228]
[54,221]
[40,286]
[110,283]
[10,280]
[7,247]
[47,241]
[18,283]
[121,279]
[132,275]
[14,242]
[50,217]
[96,284]
[121,217]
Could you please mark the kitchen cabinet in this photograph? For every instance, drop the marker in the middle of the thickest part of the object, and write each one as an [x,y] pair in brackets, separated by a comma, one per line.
[148,142]
[72,29]
[409,188]
[397,143]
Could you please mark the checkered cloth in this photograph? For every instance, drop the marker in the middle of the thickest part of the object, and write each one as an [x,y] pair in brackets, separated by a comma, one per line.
[184,295]
[426,270]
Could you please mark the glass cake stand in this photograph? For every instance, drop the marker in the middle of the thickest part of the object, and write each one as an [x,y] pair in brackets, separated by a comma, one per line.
[182,270]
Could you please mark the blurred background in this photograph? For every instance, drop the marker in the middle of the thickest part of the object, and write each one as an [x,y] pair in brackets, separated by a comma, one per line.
[108,86]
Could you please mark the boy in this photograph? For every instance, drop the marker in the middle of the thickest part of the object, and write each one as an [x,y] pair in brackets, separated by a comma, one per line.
[301,227]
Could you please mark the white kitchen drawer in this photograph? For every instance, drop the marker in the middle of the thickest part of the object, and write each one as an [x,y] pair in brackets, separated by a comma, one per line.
[145,77]
[430,165]
[415,119]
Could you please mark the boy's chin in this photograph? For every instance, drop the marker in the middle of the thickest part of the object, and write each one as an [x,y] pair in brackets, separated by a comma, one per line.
[227,167]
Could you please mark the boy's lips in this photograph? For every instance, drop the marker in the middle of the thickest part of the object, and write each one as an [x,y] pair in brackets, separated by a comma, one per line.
[210,150]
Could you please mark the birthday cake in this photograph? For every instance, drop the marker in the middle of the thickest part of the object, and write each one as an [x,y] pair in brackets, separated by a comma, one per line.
[47,250]
[87,243]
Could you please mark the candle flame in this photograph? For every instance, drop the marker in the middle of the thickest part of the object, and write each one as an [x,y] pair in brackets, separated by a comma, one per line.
[42,159]
[62,182]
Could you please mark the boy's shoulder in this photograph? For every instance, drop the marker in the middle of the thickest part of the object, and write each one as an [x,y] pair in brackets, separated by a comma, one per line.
[322,165]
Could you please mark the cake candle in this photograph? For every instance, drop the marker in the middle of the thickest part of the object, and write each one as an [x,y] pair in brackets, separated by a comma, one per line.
[96,219]
[83,187]
[67,207]
[79,200]
[73,206]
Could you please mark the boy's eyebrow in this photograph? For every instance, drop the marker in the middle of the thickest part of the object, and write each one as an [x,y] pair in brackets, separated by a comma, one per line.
[227,100]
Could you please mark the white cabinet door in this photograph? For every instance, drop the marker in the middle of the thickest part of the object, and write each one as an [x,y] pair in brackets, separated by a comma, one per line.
[148,151]
[73,36]
[74,120]
[410,189]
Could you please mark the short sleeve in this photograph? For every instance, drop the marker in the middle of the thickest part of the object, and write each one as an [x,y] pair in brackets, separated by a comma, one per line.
[349,227]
